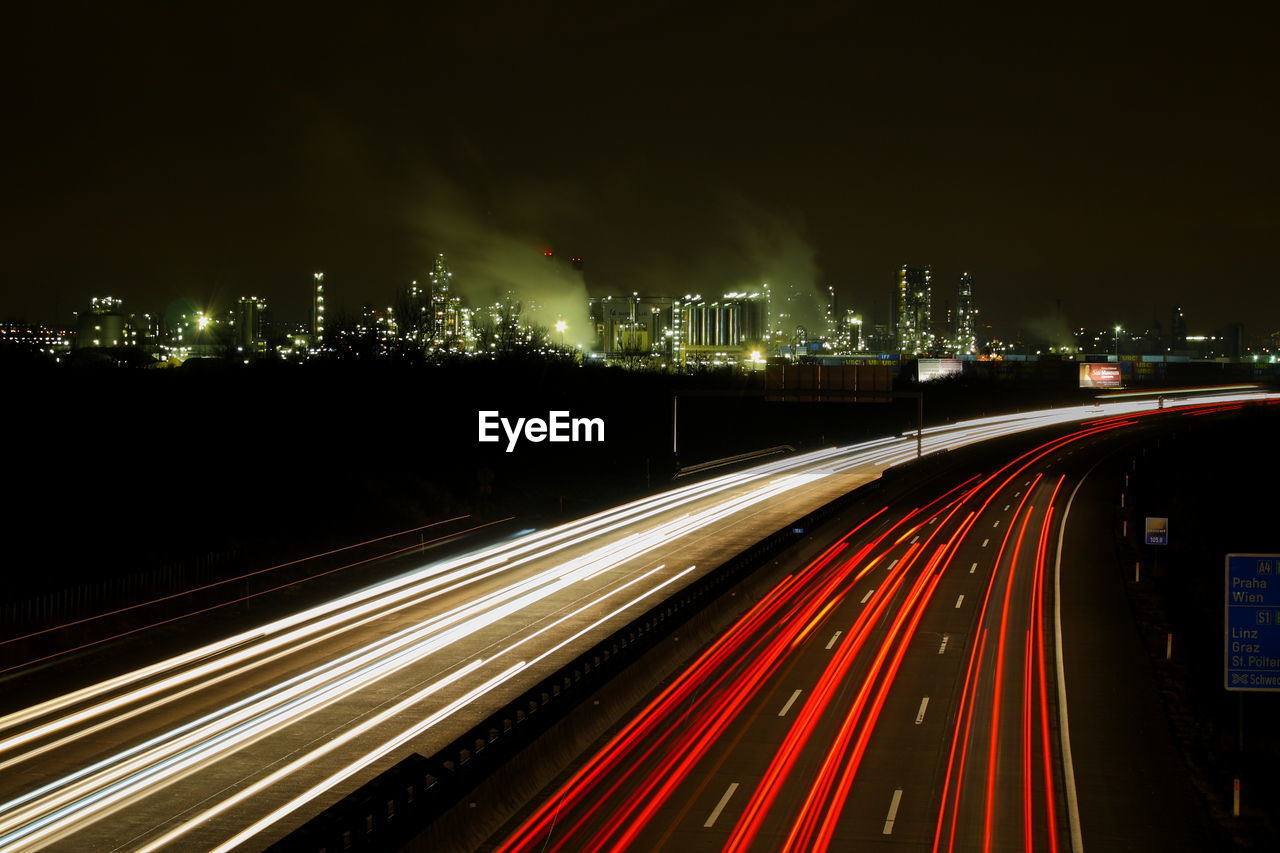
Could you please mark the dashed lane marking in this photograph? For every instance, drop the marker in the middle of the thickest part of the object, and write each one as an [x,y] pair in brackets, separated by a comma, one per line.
[724,801]
[893,812]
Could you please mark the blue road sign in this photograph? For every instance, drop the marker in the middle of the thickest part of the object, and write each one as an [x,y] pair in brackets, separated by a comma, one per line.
[1252,652]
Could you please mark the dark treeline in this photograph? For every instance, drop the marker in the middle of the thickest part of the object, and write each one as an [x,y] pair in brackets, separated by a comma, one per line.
[114,471]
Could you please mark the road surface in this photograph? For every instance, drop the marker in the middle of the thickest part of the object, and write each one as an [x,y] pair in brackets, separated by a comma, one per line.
[235,743]
[908,689]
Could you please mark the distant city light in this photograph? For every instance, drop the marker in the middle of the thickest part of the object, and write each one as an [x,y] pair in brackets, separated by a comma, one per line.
[742,328]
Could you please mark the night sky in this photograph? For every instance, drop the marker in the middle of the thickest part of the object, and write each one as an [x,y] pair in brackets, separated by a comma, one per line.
[1117,159]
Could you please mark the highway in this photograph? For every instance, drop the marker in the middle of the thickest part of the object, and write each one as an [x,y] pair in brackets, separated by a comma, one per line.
[233,744]
[904,690]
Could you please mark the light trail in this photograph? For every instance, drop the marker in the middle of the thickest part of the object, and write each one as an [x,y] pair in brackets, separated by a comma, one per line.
[836,673]
[993,739]
[160,760]
[810,829]
[401,738]
[615,554]
[815,827]
[697,740]
[494,601]
[612,801]
[626,820]
[1038,628]
[964,720]
[731,644]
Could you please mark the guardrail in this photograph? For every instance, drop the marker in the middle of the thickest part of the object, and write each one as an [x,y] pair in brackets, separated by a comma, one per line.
[43,628]
[752,456]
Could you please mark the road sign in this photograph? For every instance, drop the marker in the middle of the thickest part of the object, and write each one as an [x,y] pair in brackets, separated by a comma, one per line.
[1252,636]
[1157,531]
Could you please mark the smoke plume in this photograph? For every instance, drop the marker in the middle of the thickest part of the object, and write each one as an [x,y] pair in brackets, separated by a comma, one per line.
[491,258]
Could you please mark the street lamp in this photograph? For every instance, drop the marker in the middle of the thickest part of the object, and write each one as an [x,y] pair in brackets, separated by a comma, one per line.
[561,325]
[1118,331]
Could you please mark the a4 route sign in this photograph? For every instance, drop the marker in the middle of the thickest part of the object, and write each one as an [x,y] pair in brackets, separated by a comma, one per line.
[1252,652]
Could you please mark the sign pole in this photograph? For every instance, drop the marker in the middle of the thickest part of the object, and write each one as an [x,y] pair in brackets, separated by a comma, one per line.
[1235,796]
[1240,724]
[675,427]
[919,424]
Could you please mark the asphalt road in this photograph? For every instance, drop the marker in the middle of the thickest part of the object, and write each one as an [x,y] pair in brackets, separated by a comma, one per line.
[1134,793]
[235,743]
[905,691]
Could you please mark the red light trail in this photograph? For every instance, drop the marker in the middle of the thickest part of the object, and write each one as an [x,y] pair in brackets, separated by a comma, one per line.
[800,787]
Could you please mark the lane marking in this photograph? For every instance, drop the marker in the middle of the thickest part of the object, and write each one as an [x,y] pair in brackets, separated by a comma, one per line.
[973,568]
[914,540]
[959,601]
[997,524]
[985,542]
[942,648]
[790,702]
[893,812]
[833,639]
[1064,729]
[1015,494]
[724,801]
[864,599]
[889,568]
[1006,507]
[932,520]
[924,703]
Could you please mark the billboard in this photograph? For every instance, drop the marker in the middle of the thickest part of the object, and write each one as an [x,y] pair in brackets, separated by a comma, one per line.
[1100,375]
[822,382]
[936,368]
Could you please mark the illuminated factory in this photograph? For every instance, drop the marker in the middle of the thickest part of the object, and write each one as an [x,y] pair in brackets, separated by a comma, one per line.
[730,330]
[449,326]
[913,310]
[966,338]
[635,328]
[249,324]
[660,332]
[103,325]
[740,329]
